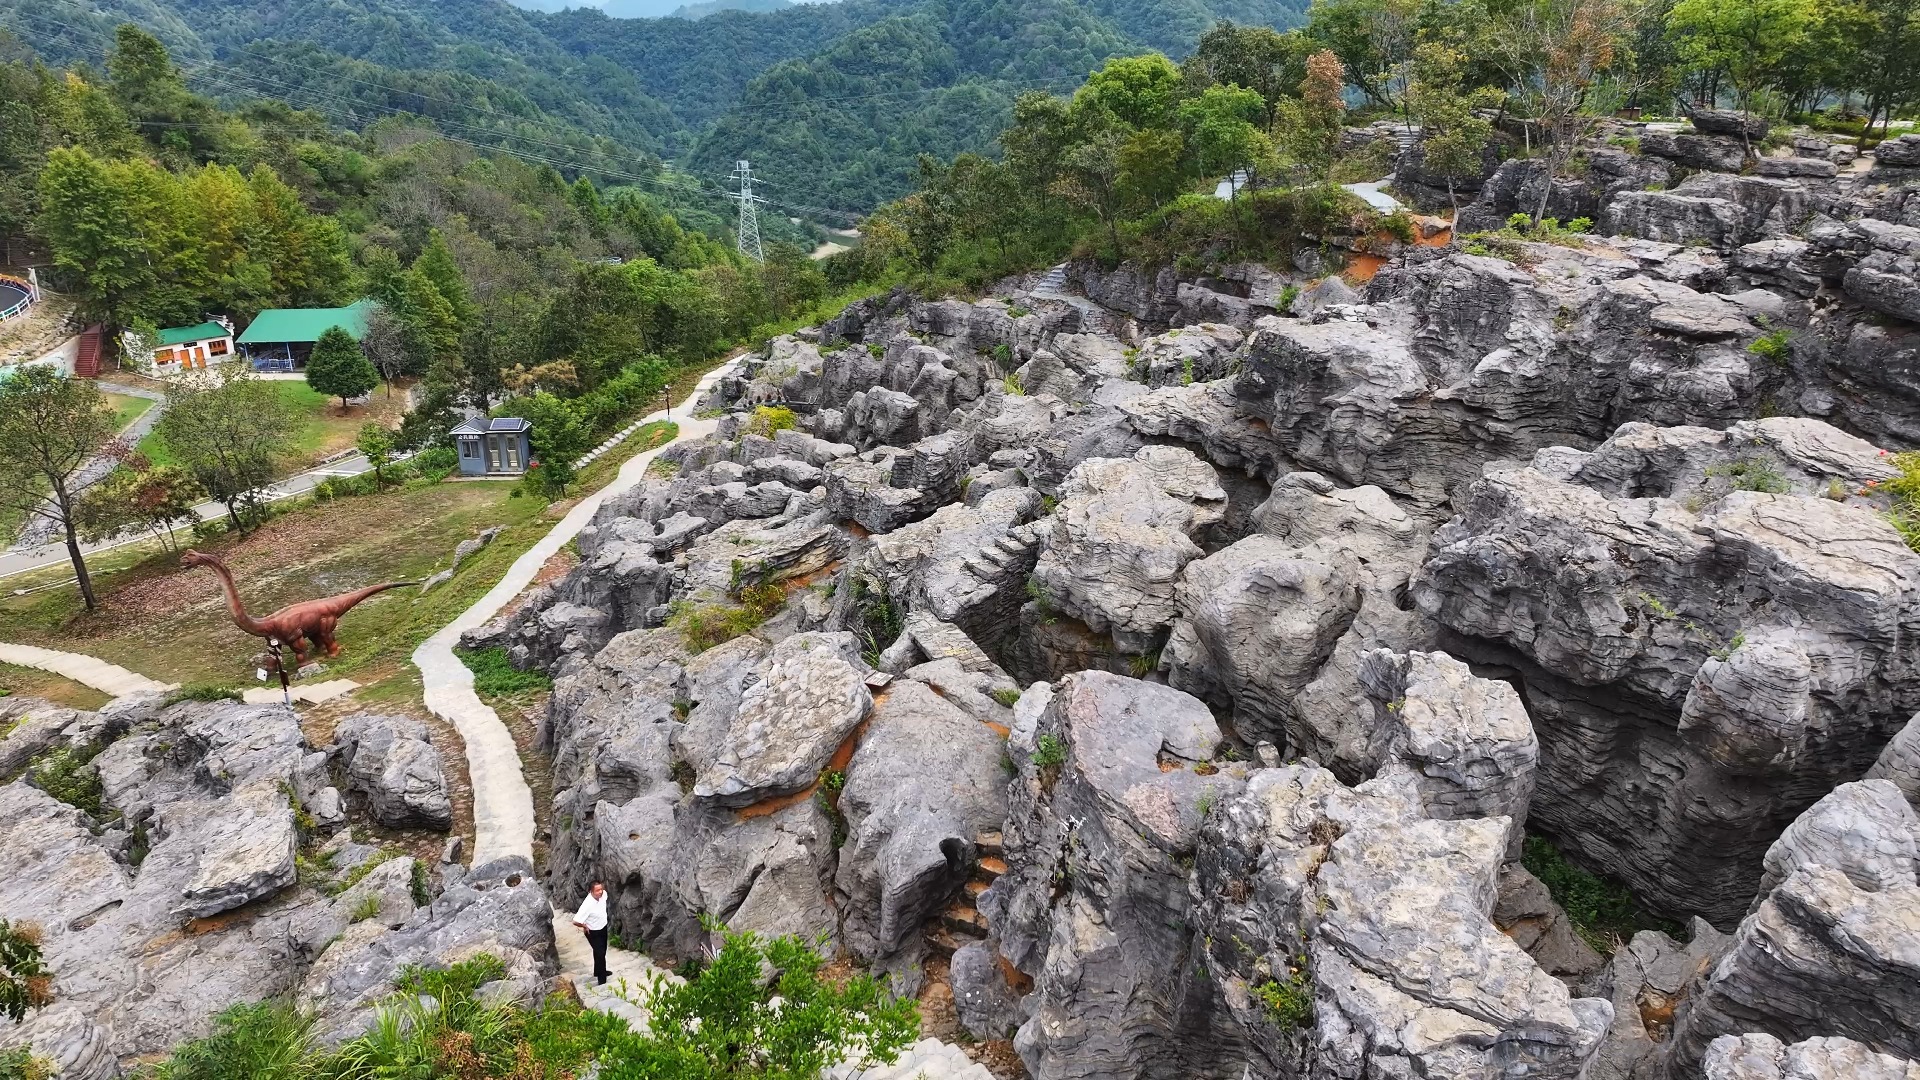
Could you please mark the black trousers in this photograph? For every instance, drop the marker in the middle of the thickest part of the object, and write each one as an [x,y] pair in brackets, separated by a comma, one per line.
[598,939]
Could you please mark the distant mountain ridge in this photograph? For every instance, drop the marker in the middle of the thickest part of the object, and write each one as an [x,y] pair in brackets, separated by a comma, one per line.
[833,102]
[712,7]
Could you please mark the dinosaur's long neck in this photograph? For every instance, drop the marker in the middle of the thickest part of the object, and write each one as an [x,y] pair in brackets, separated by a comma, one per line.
[240,617]
[338,605]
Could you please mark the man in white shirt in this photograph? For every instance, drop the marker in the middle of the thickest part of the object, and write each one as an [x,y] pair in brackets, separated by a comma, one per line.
[592,918]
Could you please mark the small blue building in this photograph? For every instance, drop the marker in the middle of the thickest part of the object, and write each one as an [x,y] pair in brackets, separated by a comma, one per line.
[497,447]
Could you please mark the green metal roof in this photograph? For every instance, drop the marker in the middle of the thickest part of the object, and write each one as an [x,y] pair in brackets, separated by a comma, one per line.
[307,324]
[180,335]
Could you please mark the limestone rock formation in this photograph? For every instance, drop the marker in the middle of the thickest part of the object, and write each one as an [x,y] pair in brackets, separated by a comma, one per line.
[391,762]
[1663,616]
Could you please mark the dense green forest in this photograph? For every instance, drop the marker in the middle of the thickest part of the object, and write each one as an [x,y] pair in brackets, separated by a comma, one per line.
[832,102]
[499,280]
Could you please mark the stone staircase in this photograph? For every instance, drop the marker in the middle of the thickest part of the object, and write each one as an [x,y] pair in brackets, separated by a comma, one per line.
[962,922]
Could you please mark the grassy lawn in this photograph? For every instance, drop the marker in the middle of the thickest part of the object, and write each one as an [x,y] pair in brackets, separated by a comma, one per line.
[32,682]
[127,408]
[171,623]
[321,427]
[604,469]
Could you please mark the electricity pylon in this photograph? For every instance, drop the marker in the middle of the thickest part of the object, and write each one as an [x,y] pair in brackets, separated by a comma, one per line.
[749,230]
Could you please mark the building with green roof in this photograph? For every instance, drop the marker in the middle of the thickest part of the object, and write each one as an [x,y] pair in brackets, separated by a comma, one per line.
[181,348]
[281,339]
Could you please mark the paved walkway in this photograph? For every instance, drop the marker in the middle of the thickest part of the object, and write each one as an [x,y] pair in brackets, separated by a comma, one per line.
[111,679]
[502,802]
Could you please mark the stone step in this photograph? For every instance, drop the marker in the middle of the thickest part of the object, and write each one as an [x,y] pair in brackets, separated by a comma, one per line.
[990,867]
[962,918]
[989,843]
[945,942]
[975,887]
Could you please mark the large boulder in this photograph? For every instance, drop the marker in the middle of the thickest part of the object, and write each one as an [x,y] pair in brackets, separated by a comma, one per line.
[391,762]
[1121,535]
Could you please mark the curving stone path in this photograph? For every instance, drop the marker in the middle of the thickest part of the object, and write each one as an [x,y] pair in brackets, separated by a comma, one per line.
[111,679]
[502,802]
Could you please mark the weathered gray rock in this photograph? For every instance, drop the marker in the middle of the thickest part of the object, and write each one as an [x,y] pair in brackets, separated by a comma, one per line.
[1899,762]
[988,1006]
[245,852]
[1819,956]
[1763,1057]
[391,762]
[1729,122]
[1102,817]
[1669,676]
[1379,917]
[789,722]
[497,909]
[924,783]
[1120,537]
[1525,911]
[1902,152]
[965,564]
[1647,979]
[1865,830]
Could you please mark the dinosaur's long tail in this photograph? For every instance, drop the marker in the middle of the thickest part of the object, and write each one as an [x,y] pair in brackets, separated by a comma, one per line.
[347,600]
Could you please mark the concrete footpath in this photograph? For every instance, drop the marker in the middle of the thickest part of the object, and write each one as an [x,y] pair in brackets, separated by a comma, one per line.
[502,802]
[110,679]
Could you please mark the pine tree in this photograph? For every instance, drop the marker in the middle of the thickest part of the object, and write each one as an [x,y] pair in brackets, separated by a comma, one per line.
[338,368]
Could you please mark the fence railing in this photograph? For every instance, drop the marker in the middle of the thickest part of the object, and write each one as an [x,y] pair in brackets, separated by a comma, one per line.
[25,301]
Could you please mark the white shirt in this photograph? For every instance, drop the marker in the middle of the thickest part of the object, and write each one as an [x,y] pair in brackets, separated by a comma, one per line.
[592,913]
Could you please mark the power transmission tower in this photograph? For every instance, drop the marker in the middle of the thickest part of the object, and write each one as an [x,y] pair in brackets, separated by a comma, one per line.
[749,230]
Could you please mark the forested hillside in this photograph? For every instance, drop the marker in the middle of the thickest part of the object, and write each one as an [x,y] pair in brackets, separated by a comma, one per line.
[833,102]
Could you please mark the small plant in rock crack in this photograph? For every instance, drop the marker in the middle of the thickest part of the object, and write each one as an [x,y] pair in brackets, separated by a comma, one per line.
[367,908]
[1144,664]
[1205,803]
[1752,474]
[1731,647]
[1005,695]
[1288,1002]
[1049,752]
[1775,347]
[419,886]
[835,781]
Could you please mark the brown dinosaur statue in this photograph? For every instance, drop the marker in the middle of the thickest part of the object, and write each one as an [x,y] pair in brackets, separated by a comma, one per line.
[302,627]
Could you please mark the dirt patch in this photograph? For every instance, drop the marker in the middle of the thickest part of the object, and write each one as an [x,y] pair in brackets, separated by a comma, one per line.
[555,568]
[32,682]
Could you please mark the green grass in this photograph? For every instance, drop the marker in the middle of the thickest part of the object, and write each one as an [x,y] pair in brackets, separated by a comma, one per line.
[495,676]
[127,408]
[402,534]
[319,427]
[1603,912]
[32,682]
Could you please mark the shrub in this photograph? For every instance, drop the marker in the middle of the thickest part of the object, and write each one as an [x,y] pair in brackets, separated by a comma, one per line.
[1775,346]
[1752,474]
[65,773]
[1005,695]
[24,981]
[418,885]
[495,676]
[21,1063]
[367,908]
[1603,912]
[768,419]
[1049,752]
[1287,296]
[1399,225]
[265,1040]
[199,692]
[1288,1002]
[726,1022]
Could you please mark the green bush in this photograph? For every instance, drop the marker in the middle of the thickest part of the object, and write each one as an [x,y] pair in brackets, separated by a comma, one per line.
[725,1023]
[1775,346]
[1752,474]
[24,980]
[1399,225]
[1049,752]
[199,692]
[65,773]
[1005,695]
[1288,1002]
[495,676]
[1603,912]
[769,419]
[21,1063]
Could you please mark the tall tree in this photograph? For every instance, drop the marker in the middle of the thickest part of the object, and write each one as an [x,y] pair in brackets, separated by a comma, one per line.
[1748,41]
[140,495]
[229,430]
[1312,124]
[337,367]
[49,426]
[1453,136]
[1560,50]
